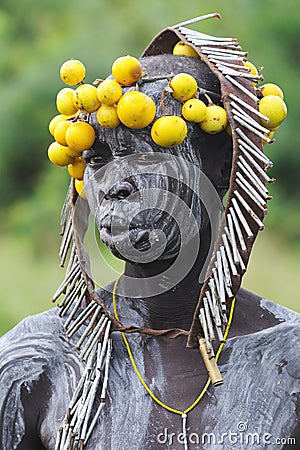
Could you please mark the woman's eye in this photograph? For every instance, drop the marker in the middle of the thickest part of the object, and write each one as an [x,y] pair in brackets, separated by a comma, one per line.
[96,161]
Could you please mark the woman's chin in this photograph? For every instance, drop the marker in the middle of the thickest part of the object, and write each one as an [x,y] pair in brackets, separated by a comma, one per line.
[123,244]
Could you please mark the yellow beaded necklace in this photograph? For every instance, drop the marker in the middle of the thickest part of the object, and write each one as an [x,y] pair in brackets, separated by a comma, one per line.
[185,412]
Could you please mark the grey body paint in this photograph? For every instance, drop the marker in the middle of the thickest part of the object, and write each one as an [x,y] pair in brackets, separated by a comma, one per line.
[261,383]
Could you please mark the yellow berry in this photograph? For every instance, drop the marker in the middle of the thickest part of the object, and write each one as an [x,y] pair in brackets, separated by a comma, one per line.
[184,86]
[126,70]
[109,92]
[80,136]
[55,121]
[72,72]
[73,153]
[136,110]
[76,169]
[274,108]
[58,155]
[271,89]
[79,186]
[86,99]
[182,49]
[65,101]
[107,116]
[168,131]
[215,120]
[251,66]
[194,110]
[253,70]
[60,131]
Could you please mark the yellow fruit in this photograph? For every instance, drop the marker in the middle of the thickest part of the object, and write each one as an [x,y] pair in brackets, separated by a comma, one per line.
[55,121]
[253,70]
[109,92]
[73,153]
[58,155]
[107,116]
[60,131]
[251,66]
[215,120]
[86,99]
[79,186]
[126,70]
[182,49]
[184,86]
[168,131]
[65,101]
[194,110]
[76,169]
[271,89]
[274,108]
[136,110]
[80,136]
[72,72]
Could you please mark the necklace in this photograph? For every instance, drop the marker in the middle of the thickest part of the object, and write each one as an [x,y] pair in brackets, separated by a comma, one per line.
[185,412]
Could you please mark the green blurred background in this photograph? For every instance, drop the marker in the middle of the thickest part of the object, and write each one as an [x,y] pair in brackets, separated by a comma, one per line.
[36,38]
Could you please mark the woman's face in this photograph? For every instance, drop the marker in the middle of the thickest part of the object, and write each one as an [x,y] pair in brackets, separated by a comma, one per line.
[146,199]
[145,203]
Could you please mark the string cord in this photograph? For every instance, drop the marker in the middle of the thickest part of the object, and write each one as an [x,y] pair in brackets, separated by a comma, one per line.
[138,373]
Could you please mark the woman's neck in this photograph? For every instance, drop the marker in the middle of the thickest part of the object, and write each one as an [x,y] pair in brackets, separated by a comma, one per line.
[174,306]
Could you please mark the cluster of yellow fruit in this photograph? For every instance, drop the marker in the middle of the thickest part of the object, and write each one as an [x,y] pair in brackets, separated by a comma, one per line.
[137,110]
[134,109]
[73,133]
[271,103]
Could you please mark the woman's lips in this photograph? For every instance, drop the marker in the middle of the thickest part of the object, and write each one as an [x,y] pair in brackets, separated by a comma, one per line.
[121,237]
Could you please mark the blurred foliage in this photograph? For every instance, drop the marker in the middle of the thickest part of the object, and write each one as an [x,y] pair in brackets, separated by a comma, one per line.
[37,37]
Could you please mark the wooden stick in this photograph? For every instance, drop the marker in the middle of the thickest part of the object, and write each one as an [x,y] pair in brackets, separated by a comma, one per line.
[229,255]
[225,51]
[255,164]
[245,104]
[253,175]
[208,37]
[237,111]
[73,272]
[232,239]
[238,229]
[76,307]
[71,295]
[220,57]
[239,258]
[197,19]
[214,309]
[242,88]
[249,210]
[251,128]
[235,73]
[253,149]
[90,326]
[242,218]
[240,180]
[93,339]
[208,320]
